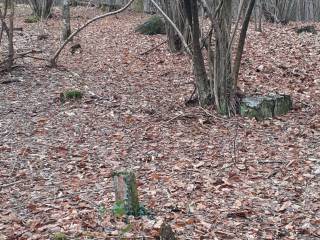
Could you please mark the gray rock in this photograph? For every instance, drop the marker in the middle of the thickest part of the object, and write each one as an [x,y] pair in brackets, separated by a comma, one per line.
[263,107]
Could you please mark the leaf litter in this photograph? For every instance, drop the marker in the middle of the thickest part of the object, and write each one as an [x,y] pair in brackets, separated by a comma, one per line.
[207,176]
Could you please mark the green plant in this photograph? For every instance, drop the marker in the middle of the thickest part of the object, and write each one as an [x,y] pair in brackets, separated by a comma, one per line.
[59,236]
[32,19]
[119,209]
[102,210]
[103,7]
[71,95]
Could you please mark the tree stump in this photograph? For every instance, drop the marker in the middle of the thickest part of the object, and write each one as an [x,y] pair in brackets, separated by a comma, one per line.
[166,232]
[263,107]
[154,25]
[126,191]
[307,29]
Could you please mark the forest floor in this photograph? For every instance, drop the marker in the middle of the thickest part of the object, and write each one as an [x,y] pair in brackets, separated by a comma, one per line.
[209,177]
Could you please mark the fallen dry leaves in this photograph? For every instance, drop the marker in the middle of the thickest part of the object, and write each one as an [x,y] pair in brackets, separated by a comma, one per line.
[209,177]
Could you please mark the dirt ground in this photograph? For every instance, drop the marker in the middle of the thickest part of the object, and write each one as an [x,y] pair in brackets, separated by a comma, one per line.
[209,177]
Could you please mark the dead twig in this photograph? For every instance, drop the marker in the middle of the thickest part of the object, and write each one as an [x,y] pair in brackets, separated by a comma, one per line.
[175,117]
[11,184]
[151,49]
[270,162]
[25,54]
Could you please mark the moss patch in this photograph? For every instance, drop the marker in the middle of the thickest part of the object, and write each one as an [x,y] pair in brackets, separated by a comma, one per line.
[59,236]
[154,25]
[32,19]
[71,95]
[263,107]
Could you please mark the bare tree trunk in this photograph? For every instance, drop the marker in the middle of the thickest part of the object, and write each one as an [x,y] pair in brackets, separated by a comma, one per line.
[66,31]
[10,36]
[4,27]
[41,8]
[258,16]
[174,10]
[223,78]
[200,74]
[242,40]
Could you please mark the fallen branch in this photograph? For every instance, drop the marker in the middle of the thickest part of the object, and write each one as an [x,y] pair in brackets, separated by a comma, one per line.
[53,60]
[150,50]
[9,81]
[11,184]
[25,54]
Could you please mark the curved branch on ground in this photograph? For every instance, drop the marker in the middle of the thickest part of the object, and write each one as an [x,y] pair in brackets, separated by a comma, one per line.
[53,60]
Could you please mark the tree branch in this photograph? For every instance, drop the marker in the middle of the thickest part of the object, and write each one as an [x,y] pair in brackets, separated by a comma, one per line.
[53,60]
[174,26]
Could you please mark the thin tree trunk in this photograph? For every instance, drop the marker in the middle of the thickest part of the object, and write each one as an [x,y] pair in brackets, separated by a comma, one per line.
[10,36]
[242,40]
[174,10]
[201,78]
[66,31]
[223,79]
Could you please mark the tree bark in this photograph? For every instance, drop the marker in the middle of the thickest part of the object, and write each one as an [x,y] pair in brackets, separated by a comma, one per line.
[223,79]
[242,40]
[41,8]
[10,36]
[126,191]
[66,31]
[174,10]
[200,74]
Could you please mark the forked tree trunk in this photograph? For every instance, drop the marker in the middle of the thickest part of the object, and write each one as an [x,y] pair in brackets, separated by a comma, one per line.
[41,8]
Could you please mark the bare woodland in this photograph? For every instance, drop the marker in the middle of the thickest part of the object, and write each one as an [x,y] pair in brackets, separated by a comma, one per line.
[210,130]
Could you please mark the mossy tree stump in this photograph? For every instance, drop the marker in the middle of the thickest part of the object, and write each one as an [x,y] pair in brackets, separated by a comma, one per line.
[263,107]
[154,25]
[307,29]
[126,191]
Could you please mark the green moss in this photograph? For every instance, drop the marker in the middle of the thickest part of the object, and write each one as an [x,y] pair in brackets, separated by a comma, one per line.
[108,8]
[71,95]
[103,7]
[308,29]
[32,19]
[138,6]
[283,104]
[59,236]
[154,25]
[129,205]
[263,107]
